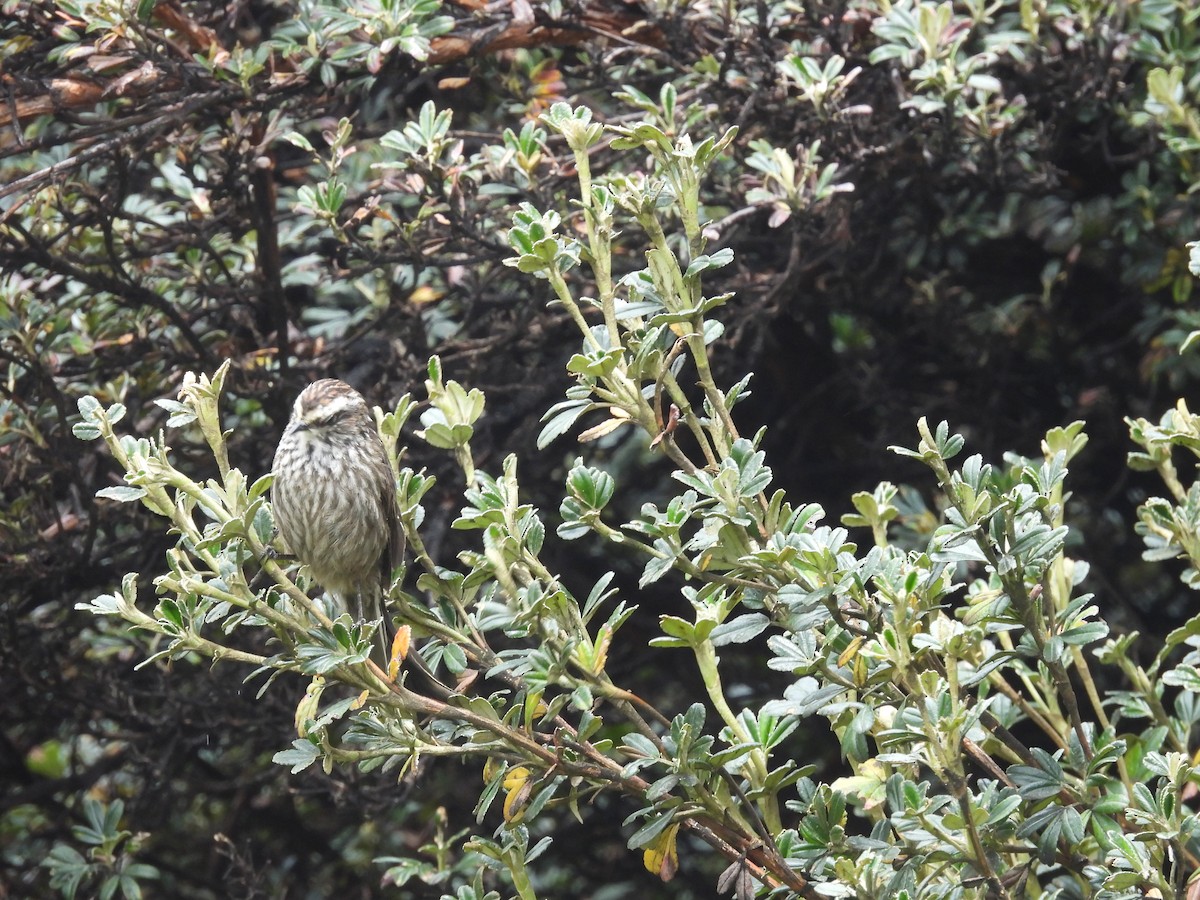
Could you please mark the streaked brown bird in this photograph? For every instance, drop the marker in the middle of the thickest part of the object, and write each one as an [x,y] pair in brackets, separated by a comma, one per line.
[334,498]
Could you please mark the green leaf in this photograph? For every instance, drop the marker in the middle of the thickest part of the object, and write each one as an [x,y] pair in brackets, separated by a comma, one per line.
[657,567]
[559,420]
[181,413]
[1183,676]
[301,755]
[1038,783]
[122,493]
[703,263]
[592,487]
[740,630]
[596,364]
[1086,633]
[299,140]
[648,832]
[677,627]
[447,437]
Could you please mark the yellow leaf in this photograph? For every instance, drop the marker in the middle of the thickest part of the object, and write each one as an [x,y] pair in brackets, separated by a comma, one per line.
[400,645]
[598,431]
[306,709]
[661,857]
[423,294]
[515,777]
[517,783]
[490,766]
[850,652]
[602,644]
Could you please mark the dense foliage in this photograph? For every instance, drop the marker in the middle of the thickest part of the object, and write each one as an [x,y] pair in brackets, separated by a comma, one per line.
[751,654]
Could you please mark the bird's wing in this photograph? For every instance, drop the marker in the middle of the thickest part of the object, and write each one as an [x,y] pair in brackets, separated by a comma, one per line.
[393,554]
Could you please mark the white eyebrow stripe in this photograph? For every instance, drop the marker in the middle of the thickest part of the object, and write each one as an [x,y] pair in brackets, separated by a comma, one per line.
[337,405]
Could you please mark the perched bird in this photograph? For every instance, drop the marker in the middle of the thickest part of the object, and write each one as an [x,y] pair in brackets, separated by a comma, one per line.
[334,498]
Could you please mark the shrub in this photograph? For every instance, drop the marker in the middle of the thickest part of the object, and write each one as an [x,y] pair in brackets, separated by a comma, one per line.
[955,668]
[186,184]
